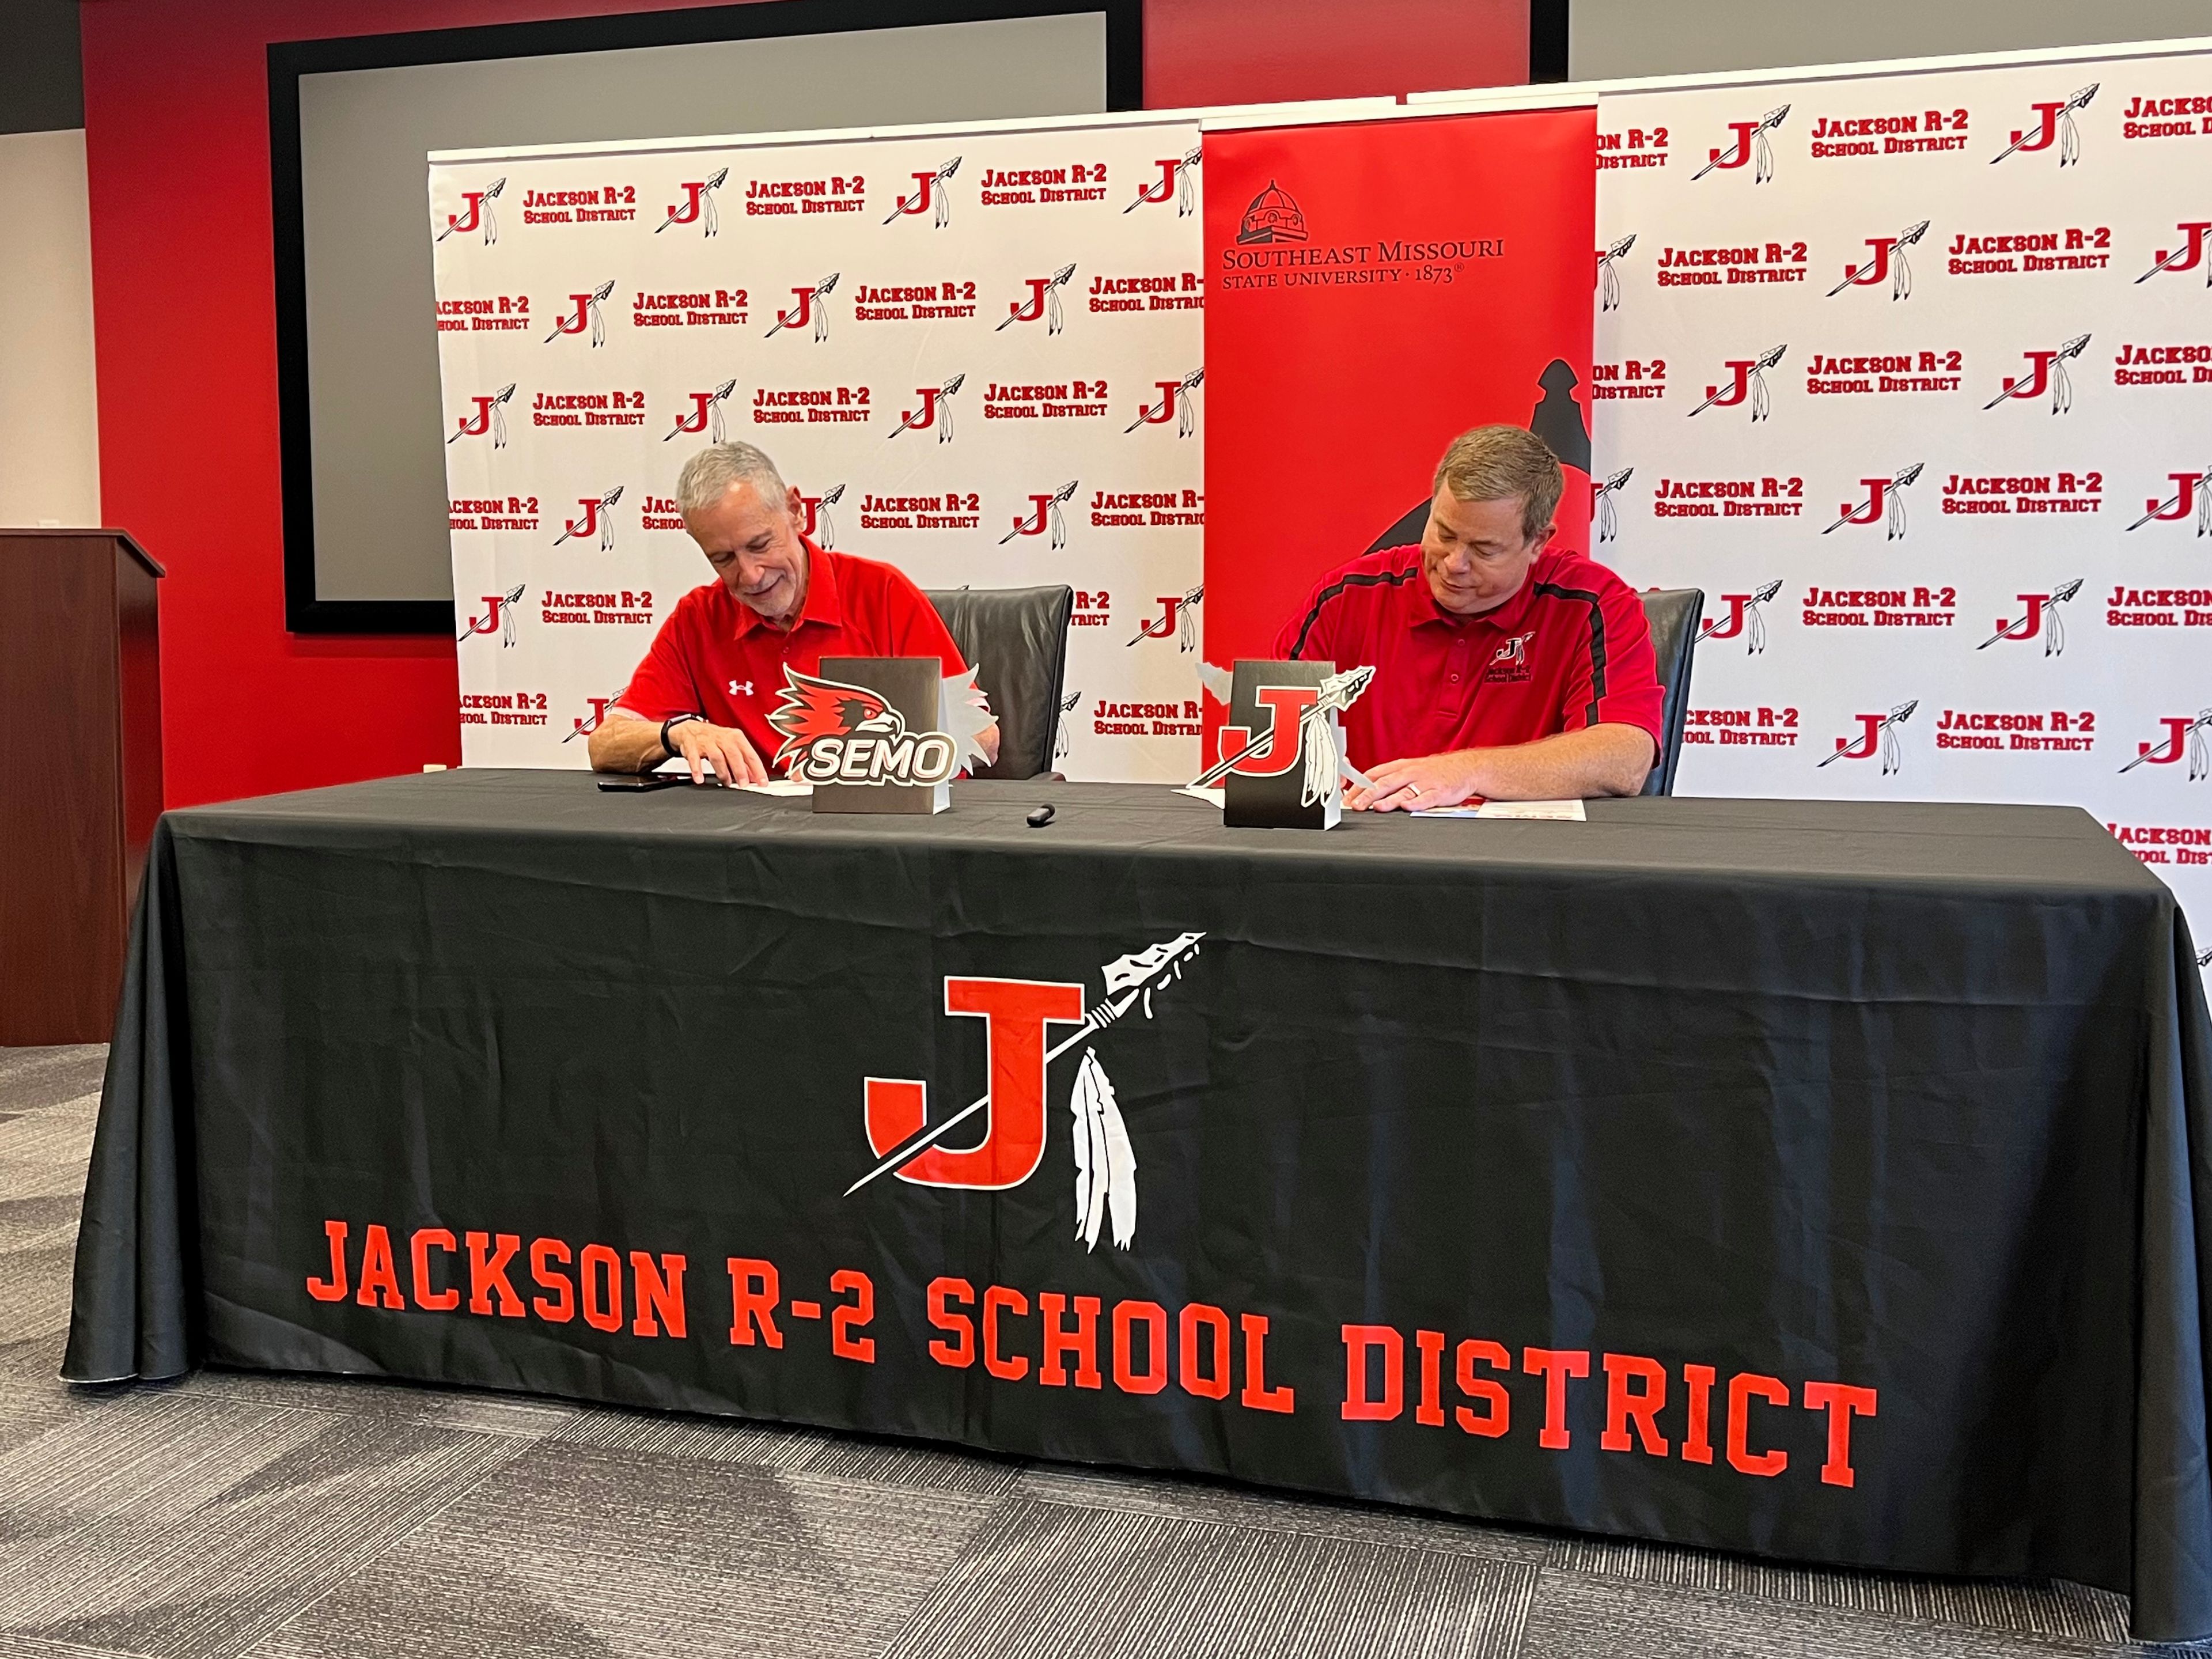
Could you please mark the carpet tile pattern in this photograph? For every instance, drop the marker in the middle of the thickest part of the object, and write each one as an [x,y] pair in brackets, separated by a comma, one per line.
[289,1517]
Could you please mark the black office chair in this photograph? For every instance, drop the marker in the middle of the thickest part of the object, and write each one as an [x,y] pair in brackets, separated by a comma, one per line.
[1018,637]
[1674,614]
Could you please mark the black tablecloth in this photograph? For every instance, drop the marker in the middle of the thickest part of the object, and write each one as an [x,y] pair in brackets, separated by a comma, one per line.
[1869,1141]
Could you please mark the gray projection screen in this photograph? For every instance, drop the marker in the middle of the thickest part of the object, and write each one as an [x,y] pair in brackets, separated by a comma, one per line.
[366,540]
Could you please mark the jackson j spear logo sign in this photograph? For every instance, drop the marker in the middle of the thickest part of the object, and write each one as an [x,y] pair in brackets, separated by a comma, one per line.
[1746,387]
[698,207]
[705,413]
[498,617]
[1174,181]
[2052,128]
[586,311]
[2192,491]
[928,196]
[1045,510]
[1886,258]
[1747,143]
[807,307]
[1746,619]
[1885,501]
[488,416]
[2184,735]
[1017,1013]
[2186,254]
[2046,372]
[477,213]
[1877,735]
[2041,617]
[1043,301]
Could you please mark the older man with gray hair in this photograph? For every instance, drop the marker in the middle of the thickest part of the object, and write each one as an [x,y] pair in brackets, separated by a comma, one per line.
[1505,668]
[713,673]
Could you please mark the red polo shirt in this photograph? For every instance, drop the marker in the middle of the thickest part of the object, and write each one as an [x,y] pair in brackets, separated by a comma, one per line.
[718,658]
[1571,649]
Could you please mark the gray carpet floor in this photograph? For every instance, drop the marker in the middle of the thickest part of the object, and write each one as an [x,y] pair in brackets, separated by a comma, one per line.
[287,1517]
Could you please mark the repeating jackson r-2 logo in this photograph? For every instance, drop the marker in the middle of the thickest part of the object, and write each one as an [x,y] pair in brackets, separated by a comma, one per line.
[1877,735]
[1885,500]
[2054,124]
[1749,145]
[1746,619]
[2042,618]
[476,211]
[1018,1011]
[697,206]
[2185,734]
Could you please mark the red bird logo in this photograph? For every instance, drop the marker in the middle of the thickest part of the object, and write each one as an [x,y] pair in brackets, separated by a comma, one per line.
[813,708]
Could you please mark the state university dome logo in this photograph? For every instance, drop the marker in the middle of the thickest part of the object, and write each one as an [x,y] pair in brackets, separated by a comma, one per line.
[1274,216]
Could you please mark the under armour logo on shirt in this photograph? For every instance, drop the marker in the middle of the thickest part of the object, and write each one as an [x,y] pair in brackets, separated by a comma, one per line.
[741,688]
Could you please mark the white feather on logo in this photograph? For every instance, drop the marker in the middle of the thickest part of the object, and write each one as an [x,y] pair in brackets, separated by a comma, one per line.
[1105,1161]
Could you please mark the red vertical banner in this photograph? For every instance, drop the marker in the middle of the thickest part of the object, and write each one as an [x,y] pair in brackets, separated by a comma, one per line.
[1373,290]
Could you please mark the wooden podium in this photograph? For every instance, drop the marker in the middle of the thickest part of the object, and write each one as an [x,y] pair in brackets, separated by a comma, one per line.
[80,774]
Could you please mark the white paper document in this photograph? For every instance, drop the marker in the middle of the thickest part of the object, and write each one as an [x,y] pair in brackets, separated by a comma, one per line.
[1562,811]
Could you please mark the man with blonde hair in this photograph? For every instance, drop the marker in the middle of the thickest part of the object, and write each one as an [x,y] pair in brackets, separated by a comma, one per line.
[1505,669]
[716,669]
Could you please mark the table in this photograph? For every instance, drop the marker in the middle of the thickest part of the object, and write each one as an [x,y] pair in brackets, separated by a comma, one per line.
[1823,1181]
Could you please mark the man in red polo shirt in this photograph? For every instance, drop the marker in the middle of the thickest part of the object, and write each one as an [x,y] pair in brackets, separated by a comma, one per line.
[716,669]
[1505,671]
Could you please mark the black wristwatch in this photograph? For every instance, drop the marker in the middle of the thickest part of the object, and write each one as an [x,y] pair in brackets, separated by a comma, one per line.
[668,748]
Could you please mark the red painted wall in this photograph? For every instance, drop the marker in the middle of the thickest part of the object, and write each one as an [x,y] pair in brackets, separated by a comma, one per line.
[176,147]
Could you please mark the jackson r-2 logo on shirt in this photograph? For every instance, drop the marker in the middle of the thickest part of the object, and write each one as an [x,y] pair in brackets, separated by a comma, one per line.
[1512,661]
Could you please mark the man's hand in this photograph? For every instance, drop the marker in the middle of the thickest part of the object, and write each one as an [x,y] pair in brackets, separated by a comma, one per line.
[727,749]
[1432,780]
[1599,760]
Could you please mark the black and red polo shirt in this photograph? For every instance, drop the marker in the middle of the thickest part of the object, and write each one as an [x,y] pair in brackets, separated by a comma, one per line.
[1571,649]
[716,656]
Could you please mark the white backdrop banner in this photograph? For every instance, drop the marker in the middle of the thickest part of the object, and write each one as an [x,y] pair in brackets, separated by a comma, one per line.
[977,356]
[1912,375]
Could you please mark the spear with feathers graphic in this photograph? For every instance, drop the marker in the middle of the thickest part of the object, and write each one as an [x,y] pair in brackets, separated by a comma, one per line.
[2054,630]
[2177,258]
[714,427]
[1189,384]
[2202,488]
[1325,762]
[1060,741]
[2070,139]
[1895,492]
[1052,313]
[1183,201]
[605,519]
[2061,388]
[595,303]
[1052,507]
[1897,716]
[484,211]
[1609,517]
[822,522]
[1760,405]
[1608,280]
[1105,1164]
[819,312]
[944,203]
[1757,138]
[507,617]
[715,181]
[1754,634]
[498,419]
[944,411]
[1900,273]
[2200,748]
